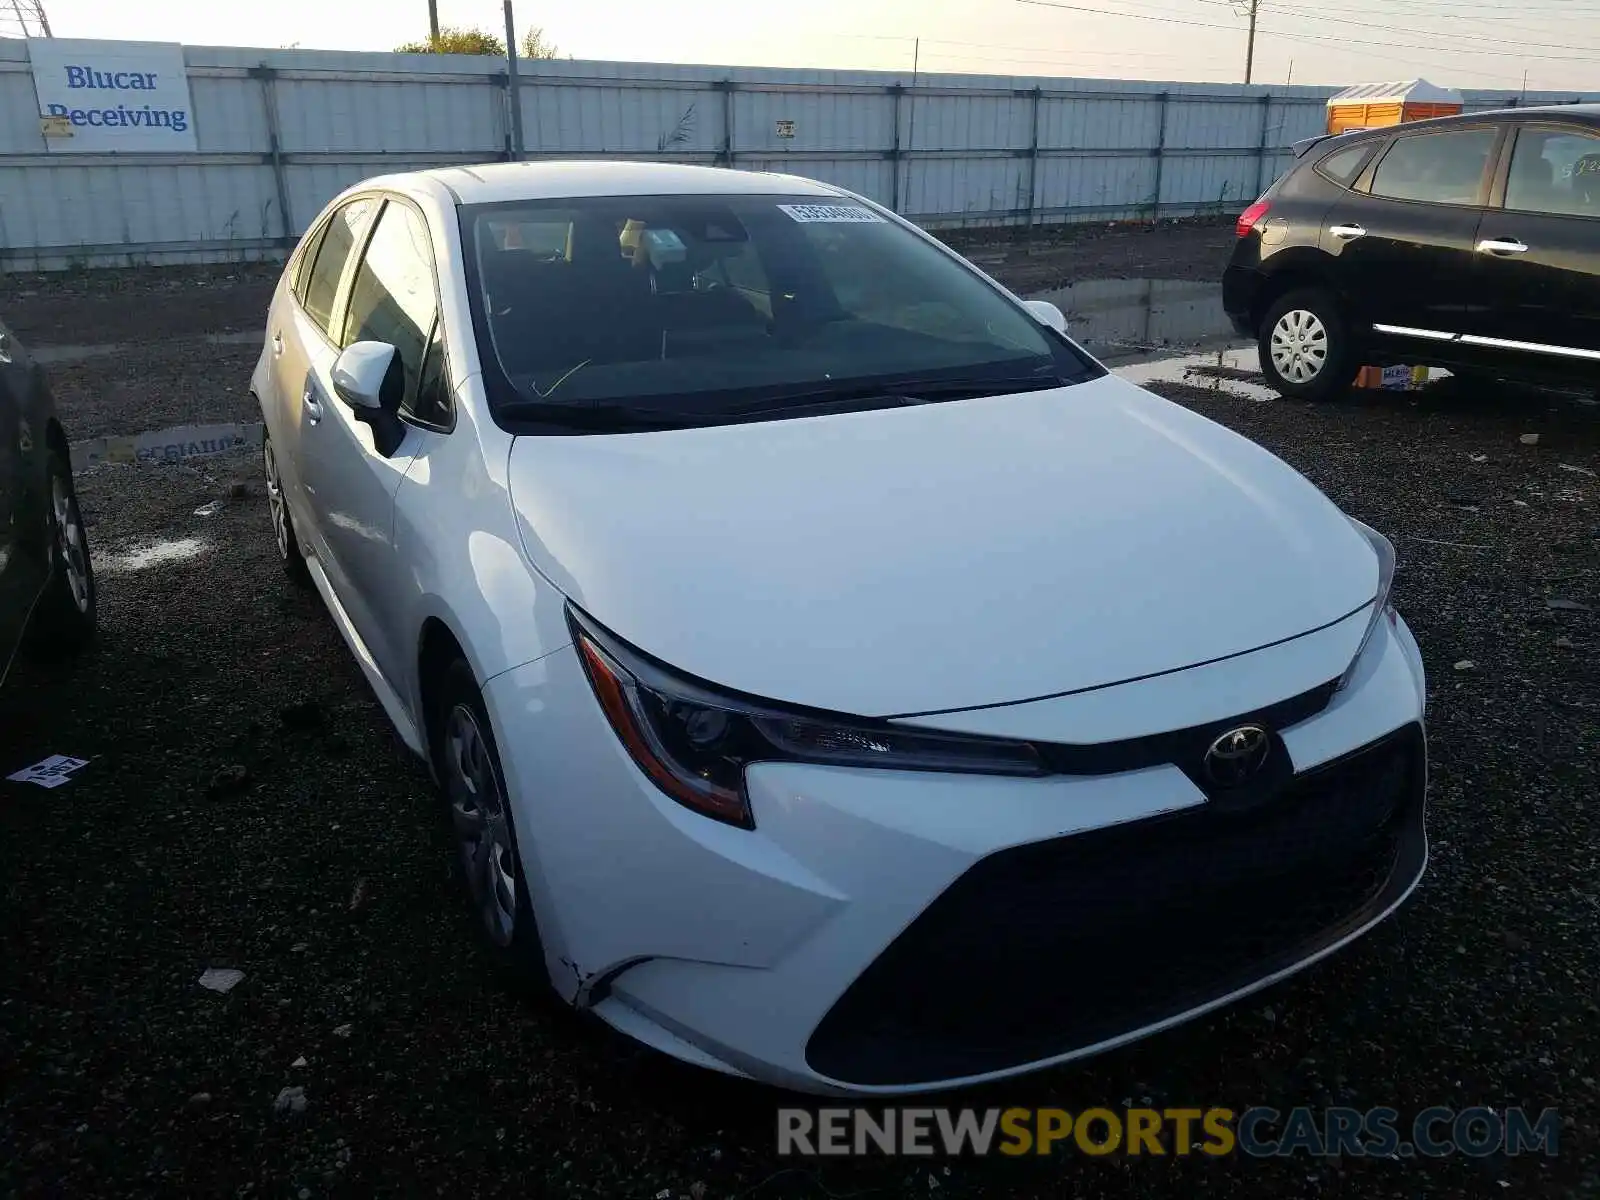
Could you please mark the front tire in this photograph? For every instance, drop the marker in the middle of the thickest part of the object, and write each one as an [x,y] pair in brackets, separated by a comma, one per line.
[1306,353]
[487,861]
[65,620]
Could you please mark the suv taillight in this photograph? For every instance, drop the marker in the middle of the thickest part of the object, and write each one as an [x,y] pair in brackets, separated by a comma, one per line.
[1251,217]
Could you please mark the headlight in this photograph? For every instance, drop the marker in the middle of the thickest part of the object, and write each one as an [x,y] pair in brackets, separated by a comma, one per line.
[694,741]
[1381,608]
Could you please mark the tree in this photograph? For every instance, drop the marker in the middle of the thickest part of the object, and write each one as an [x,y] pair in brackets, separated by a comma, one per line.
[536,45]
[452,40]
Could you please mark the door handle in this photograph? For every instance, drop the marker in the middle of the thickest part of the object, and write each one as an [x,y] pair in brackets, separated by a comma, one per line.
[1501,246]
[1347,233]
[277,344]
[312,406]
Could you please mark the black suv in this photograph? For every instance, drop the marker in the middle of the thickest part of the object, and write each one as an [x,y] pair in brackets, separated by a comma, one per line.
[1468,242]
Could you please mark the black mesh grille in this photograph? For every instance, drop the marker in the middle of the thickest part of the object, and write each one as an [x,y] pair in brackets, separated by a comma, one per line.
[1063,944]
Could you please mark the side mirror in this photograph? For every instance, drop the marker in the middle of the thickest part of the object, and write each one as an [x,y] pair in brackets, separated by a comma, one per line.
[359,374]
[1046,314]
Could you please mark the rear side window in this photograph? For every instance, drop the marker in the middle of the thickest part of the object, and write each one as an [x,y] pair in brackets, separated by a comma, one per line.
[343,234]
[393,298]
[1555,172]
[1343,167]
[302,264]
[1440,168]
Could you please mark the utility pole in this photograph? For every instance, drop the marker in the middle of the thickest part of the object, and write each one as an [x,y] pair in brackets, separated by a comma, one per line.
[911,123]
[1250,46]
[513,95]
[433,22]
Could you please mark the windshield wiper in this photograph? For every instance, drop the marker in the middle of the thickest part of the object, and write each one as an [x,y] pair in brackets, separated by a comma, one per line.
[611,418]
[626,418]
[907,391]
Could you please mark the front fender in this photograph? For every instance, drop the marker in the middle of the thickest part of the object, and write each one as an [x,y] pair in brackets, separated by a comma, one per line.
[457,540]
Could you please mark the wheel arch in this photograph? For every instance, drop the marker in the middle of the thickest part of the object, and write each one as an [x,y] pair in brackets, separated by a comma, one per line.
[1293,277]
[437,647]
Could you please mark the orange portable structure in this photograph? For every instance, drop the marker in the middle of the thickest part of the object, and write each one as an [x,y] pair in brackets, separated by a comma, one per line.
[1371,105]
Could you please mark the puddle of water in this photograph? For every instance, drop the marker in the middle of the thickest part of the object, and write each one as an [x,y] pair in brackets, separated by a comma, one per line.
[1162,331]
[153,554]
[1227,371]
[45,355]
[1123,320]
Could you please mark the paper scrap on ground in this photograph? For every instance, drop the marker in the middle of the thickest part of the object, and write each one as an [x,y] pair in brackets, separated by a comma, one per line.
[166,445]
[220,979]
[51,772]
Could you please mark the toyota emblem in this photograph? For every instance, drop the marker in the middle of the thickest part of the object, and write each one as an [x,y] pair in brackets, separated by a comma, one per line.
[1237,755]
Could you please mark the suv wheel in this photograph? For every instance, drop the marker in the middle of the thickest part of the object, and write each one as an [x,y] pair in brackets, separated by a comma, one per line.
[65,620]
[1305,347]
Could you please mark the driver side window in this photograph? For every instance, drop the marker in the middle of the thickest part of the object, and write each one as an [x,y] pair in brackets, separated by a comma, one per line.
[393,300]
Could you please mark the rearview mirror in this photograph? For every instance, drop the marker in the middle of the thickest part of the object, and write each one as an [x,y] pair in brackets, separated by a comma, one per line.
[360,371]
[1047,314]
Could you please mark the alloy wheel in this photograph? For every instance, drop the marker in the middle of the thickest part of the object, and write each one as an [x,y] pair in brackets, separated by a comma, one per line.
[71,544]
[279,511]
[482,826]
[1299,345]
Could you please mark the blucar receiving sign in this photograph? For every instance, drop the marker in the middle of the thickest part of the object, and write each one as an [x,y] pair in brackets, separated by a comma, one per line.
[96,96]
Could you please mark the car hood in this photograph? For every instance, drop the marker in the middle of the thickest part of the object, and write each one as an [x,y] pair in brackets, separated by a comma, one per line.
[951,555]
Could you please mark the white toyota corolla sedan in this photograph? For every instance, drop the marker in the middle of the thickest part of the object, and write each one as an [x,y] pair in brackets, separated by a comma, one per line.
[833,674]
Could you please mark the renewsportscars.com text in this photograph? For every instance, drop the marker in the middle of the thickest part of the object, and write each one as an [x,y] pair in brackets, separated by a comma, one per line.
[1155,1132]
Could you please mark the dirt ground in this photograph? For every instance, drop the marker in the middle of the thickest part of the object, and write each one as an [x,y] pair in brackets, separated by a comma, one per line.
[246,806]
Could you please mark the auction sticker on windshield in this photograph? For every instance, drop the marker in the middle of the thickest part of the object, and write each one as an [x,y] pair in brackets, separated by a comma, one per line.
[847,213]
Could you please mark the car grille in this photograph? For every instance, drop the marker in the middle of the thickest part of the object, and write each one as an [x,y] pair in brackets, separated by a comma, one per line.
[1060,945]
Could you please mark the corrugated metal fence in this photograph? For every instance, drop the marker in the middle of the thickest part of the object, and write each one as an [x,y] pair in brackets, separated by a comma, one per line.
[281,131]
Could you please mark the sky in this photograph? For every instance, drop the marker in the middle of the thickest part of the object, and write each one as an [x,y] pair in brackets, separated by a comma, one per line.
[1454,43]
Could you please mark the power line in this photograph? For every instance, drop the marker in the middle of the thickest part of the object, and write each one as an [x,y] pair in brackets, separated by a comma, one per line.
[1026,50]
[1296,37]
[1312,14]
[24,18]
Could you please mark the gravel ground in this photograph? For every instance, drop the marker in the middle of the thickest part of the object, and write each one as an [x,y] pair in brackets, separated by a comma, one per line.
[153,385]
[247,807]
[125,305]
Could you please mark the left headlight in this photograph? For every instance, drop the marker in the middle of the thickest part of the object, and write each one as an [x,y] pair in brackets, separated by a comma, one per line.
[1381,608]
[694,741]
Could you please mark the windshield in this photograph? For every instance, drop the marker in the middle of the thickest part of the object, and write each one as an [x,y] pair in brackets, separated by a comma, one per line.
[656,311]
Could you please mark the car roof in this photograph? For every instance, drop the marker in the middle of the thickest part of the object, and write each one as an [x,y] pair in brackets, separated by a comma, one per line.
[492,183]
[1585,112]
[1325,143]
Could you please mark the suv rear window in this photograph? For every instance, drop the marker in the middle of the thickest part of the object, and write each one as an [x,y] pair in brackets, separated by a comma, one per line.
[1440,168]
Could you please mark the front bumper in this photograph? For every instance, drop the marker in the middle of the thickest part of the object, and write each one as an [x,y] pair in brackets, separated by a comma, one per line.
[884,932]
